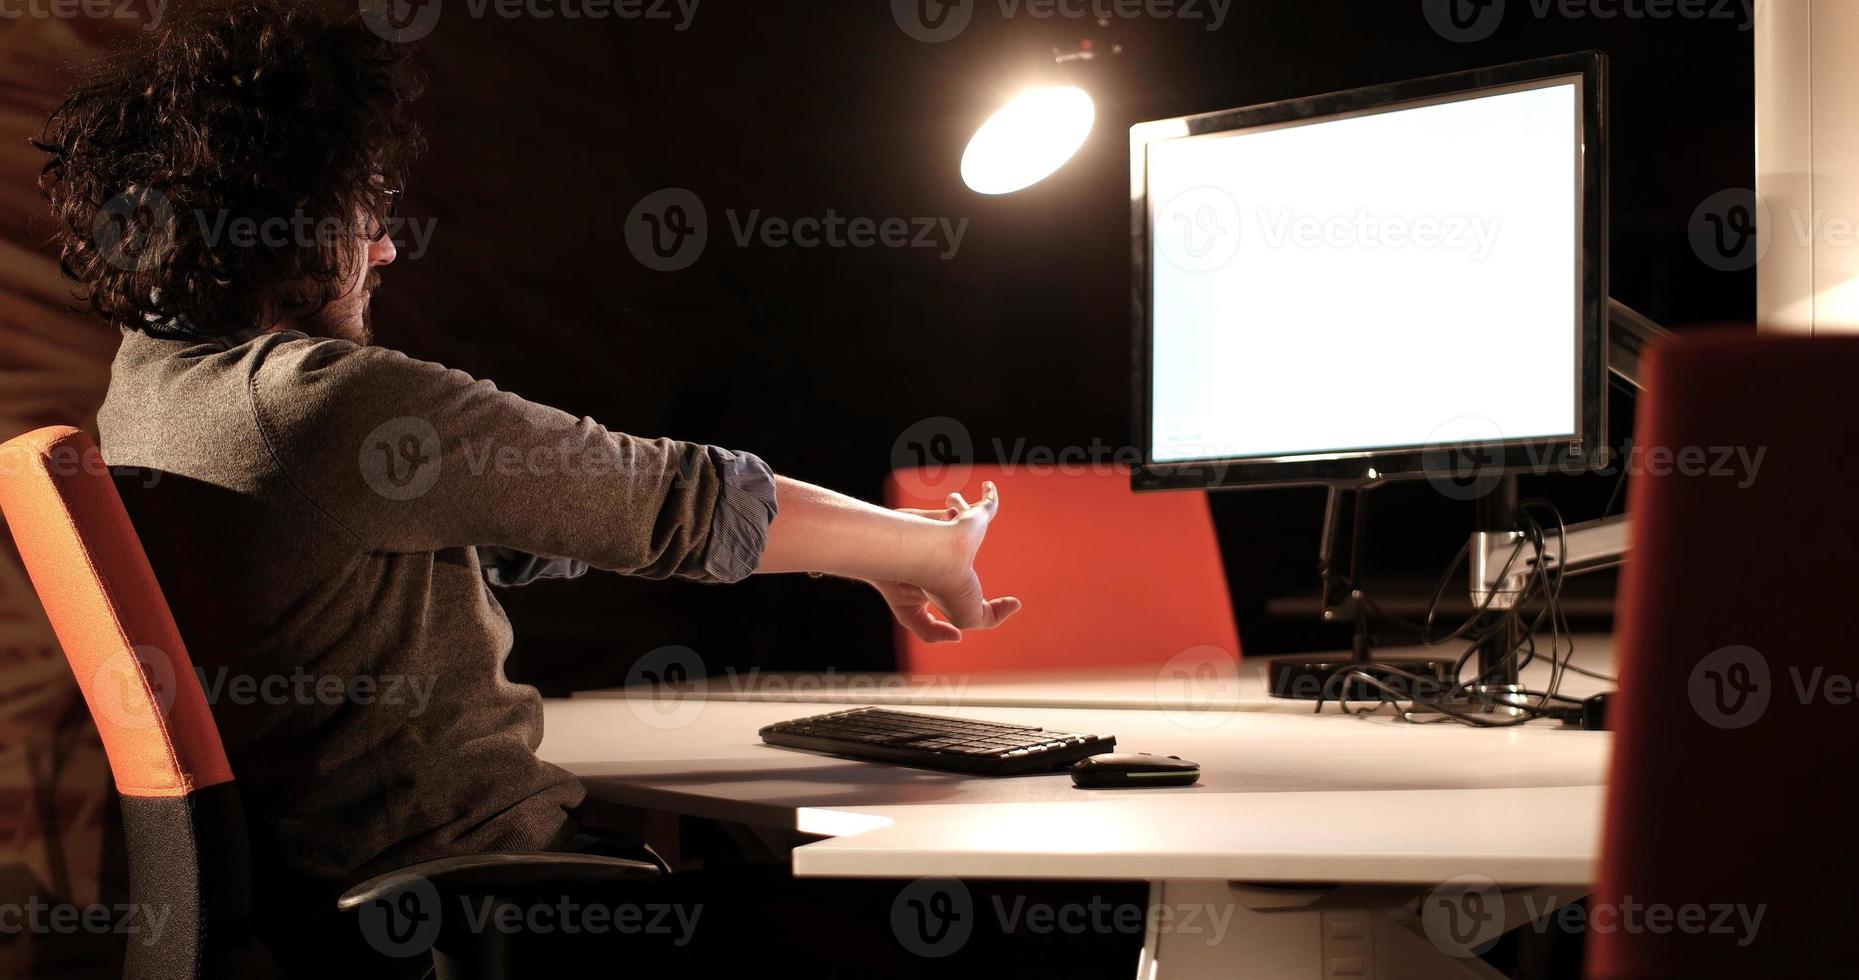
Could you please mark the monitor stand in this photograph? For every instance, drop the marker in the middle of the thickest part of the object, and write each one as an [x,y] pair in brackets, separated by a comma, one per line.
[1321,678]
[1497,686]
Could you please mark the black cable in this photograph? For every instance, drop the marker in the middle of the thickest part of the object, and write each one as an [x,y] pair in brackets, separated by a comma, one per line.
[1540,594]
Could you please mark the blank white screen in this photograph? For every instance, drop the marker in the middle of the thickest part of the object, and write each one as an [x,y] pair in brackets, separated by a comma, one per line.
[1391,280]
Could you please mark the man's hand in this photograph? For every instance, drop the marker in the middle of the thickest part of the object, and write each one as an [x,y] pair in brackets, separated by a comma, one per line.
[917,559]
[952,587]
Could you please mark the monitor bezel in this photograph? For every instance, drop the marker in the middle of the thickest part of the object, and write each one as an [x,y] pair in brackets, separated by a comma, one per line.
[1586,450]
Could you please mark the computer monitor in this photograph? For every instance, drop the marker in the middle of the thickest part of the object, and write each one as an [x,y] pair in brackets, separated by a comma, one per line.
[1372,284]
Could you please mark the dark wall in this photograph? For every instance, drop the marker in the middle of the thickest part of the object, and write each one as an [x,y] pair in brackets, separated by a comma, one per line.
[546,132]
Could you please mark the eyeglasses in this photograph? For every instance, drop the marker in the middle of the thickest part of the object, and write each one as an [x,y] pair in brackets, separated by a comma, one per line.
[393,208]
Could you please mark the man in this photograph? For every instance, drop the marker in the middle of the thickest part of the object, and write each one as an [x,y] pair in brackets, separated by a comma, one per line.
[327,508]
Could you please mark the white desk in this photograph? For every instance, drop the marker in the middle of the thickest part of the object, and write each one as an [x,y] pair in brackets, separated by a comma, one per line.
[1387,809]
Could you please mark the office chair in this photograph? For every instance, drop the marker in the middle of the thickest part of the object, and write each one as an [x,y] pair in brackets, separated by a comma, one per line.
[1736,593]
[187,840]
[1110,578]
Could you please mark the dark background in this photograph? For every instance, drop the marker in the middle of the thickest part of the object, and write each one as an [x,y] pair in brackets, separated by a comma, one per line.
[546,132]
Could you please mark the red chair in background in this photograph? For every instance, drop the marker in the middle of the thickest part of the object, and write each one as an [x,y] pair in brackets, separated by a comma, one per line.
[1738,592]
[1110,578]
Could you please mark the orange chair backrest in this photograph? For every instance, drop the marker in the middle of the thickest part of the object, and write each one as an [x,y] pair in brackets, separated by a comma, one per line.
[1110,578]
[108,612]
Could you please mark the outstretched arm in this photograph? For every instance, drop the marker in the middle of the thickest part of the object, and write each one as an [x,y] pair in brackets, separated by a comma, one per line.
[916,559]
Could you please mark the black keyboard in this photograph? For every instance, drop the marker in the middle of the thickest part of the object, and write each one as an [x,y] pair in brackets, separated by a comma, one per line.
[986,748]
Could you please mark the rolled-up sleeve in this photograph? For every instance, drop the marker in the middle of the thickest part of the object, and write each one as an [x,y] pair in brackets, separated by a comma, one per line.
[745,508]
[507,569]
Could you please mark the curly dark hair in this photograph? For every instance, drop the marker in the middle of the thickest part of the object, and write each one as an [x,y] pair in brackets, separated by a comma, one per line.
[228,114]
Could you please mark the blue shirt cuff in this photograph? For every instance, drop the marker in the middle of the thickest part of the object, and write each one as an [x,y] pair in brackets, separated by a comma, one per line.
[745,508]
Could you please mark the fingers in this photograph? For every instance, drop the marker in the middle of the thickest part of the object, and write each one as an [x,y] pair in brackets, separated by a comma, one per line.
[969,610]
[990,503]
[985,615]
[924,624]
[999,609]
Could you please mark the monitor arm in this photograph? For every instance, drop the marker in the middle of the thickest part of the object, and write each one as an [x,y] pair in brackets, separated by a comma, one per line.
[1586,547]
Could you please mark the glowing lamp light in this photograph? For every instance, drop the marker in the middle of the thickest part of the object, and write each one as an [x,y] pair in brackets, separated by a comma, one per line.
[1028,139]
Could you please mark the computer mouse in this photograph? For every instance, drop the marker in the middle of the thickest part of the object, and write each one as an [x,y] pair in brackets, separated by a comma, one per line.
[1594,712]
[1129,770]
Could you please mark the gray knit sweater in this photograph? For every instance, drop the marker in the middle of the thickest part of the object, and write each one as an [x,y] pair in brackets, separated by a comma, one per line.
[322,516]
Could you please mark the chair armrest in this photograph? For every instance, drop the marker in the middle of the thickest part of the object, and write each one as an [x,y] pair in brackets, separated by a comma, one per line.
[492,873]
